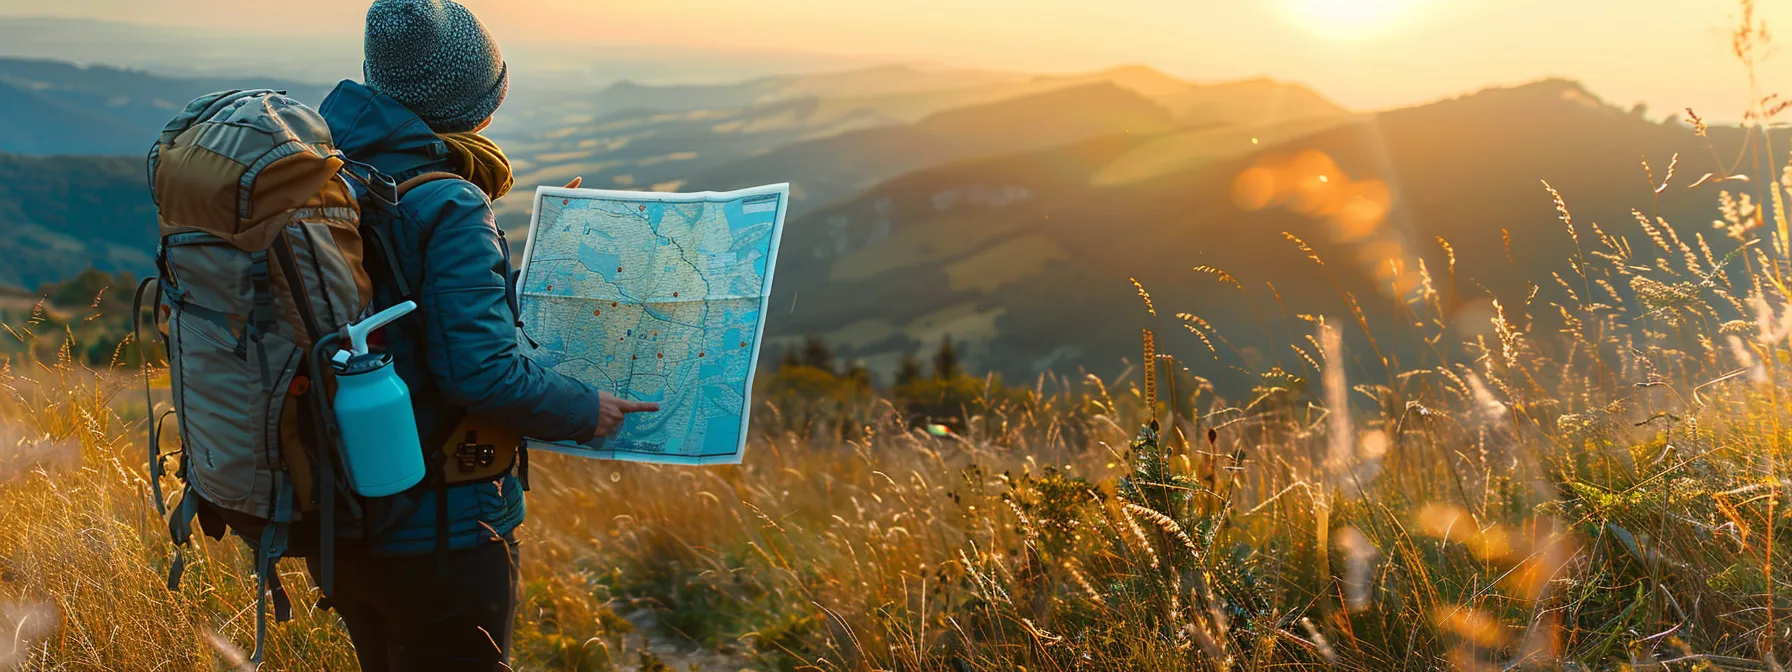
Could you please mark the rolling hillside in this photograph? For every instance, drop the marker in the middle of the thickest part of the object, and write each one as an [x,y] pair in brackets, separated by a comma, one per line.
[1011,253]
[61,215]
[53,107]
[858,160]
[1013,223]
[830,146]
[879,81]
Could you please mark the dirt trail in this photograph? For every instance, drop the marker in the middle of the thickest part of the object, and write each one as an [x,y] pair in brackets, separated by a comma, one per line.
[678,654]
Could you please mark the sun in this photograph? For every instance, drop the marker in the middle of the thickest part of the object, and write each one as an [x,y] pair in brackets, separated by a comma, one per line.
[1350,19]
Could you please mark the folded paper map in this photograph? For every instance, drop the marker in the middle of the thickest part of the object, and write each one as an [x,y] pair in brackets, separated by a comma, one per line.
[655,297]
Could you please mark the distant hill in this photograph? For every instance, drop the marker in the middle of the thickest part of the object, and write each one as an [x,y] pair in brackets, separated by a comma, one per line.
[1013,217]
[861,83]
[778,128]
[830,145]
[540,71]
[663,150]
[909,93]
[52,107]
[835,167]
[1027,257]
[182,51]
[61,215]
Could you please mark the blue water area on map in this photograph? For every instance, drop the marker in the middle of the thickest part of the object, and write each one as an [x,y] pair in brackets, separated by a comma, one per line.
[711,368]
[739,218]
[601,263]
[655,212]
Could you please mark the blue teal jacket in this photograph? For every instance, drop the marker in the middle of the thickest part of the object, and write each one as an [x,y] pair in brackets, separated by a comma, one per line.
[459,349]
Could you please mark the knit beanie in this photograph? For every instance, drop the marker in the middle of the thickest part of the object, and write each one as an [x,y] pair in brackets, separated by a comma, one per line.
[437,59]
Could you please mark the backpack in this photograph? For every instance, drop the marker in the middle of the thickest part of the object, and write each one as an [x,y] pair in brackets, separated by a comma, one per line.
[261,264]
[265,256]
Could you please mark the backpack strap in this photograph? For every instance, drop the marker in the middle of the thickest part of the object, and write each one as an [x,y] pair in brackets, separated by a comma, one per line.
[261,316]
[326,434]
[295,285]
[375,236]
[180,528]
[153,425]
[267,560]
[387,195]
[326,464]
[438,474]
[406,186]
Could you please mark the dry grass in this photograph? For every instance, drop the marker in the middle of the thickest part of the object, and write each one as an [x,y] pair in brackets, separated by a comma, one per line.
[1603,496]
[1591,482]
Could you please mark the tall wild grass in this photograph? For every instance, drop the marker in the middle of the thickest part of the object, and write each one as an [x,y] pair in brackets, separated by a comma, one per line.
[1595,483]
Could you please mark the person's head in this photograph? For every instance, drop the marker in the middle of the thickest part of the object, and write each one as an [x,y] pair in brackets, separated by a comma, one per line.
[438,60]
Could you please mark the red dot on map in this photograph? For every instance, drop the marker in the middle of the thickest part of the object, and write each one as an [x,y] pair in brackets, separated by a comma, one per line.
[743,344]
[634,356]
[612,304]
[675,295]
[699,354]
[565,201]
[618,269]
[643,208]
[662,355]
[550,288]
[596,313]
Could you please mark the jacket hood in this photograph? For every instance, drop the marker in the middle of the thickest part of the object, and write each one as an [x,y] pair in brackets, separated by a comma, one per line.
[375,129]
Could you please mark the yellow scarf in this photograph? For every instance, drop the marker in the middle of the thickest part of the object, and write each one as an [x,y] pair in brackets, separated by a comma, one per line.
[478,160]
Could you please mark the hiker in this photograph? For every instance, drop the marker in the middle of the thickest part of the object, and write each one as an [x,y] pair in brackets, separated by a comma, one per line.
[281,226]
[434,76]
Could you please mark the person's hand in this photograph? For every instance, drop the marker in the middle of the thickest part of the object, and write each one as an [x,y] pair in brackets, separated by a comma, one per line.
[574,184]
[611,409]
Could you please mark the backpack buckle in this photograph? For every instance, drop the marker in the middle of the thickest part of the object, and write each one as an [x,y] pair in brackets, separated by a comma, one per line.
[380,185]
[470,454]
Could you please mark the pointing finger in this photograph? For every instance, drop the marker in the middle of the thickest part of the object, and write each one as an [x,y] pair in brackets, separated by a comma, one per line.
[639,407]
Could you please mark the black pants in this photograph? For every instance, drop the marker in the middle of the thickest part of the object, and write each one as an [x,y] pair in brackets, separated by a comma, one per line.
[450,611]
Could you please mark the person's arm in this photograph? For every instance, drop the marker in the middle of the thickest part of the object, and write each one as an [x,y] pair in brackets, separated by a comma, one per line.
[472,340]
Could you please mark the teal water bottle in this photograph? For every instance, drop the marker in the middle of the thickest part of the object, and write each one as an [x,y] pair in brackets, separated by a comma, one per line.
[380,448]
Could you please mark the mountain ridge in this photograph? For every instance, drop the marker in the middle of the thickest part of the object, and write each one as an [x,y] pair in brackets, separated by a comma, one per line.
[863,157]
[1069,245]
[55,107]
[1014,224]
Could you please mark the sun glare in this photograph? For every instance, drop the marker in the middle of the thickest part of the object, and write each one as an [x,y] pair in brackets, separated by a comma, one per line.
[1350,19]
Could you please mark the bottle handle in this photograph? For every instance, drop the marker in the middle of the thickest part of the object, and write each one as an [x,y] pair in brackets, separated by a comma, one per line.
[357,332]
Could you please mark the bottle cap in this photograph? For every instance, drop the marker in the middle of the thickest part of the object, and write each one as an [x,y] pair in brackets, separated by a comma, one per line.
[363,363]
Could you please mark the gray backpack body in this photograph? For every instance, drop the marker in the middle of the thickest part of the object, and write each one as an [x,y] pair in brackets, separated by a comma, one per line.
[259,267]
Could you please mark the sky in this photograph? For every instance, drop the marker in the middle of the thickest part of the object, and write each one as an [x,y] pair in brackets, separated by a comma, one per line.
[1366,54]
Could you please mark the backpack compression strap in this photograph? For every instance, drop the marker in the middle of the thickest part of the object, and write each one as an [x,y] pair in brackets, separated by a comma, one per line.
[153,424]
[267,561]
